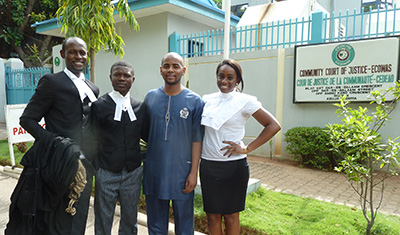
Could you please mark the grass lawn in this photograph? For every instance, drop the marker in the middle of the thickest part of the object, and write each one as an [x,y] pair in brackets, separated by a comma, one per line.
[5,153]
[271,213]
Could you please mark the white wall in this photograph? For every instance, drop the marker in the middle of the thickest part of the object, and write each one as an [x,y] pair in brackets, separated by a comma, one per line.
[185,26]
[144,50]
[329,5]
[250,2]
[3,95]
[344,5]
[15,63]
[57,56]
[261,78]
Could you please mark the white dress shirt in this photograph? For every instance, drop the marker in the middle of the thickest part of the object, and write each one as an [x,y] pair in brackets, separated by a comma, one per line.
[83,88]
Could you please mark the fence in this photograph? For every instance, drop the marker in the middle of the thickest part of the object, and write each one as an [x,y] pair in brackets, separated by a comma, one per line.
[318,28]
[21,83]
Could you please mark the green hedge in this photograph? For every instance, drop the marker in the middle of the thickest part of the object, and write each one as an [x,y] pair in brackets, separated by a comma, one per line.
[310,146]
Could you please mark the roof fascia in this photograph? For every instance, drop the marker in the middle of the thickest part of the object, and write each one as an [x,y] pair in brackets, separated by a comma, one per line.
[190,5]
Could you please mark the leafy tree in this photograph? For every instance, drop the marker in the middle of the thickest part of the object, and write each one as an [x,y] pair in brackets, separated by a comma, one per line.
[18,38]
[369,7]
[218,3]
[360,144]
[92,20]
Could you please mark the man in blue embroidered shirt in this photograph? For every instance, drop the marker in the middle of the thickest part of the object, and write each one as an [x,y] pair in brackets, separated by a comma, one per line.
[173,151]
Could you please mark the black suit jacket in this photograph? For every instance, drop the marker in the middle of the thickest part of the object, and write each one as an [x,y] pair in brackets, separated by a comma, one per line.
[118,141]
[57,100]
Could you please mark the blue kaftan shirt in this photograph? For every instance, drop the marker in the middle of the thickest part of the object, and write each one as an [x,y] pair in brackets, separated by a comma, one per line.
[175,123]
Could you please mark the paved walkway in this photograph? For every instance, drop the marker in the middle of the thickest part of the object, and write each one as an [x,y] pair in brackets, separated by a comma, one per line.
[7,185]
[276,175]
[287,177]
[8,181]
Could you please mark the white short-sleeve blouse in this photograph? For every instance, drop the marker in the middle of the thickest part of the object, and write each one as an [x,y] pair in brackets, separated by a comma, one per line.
[224,117]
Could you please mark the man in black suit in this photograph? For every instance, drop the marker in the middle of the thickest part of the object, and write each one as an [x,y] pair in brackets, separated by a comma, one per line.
[118,123]
[63,99]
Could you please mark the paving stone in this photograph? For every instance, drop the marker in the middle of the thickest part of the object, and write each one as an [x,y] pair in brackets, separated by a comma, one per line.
[285,176]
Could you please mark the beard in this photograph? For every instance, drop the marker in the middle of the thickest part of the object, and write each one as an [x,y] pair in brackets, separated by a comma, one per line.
[171,83]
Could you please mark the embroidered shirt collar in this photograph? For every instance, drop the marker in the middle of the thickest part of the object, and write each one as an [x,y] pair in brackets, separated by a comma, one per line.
[123,103]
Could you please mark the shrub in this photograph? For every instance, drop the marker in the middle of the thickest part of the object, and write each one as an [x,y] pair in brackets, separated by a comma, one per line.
[310,146]
[22,147]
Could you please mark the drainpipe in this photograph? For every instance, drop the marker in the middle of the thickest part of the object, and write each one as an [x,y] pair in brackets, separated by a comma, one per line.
[226,6]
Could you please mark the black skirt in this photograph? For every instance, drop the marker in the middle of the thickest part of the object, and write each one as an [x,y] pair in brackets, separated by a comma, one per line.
[224,185]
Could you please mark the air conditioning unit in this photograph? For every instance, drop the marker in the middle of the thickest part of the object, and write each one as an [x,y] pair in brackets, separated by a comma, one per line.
[338,32]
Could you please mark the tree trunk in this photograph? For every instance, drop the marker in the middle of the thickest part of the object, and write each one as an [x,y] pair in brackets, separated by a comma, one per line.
[28,12]
[21,28]
[369,192]
[21,53]
[92,64]
[369,228]
[45,46]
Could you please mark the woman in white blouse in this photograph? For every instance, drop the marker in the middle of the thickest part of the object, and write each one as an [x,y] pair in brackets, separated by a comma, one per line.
[224,171]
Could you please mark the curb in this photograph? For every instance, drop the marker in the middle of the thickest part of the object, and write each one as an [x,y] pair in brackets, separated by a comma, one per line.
[9,171]
[141,218]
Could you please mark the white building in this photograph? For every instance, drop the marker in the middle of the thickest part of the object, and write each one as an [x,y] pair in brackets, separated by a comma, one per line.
[145,48]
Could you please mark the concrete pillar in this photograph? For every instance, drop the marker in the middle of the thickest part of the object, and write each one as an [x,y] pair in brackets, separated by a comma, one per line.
[227,28]
[318,29]
[3,95]
[15,63]
[279,99]
[58,61]
[174,43]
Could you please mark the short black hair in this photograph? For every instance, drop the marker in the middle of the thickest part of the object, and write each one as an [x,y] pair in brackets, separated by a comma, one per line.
[123,64]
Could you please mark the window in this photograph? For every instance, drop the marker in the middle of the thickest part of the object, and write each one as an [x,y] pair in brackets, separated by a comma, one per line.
[374,4]
[195,48]
[239,10]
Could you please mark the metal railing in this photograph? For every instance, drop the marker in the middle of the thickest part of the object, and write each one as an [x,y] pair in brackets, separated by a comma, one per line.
[288,33]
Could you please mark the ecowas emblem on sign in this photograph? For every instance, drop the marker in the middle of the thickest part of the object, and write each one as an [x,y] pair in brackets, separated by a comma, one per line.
[343,54]
[325,72]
